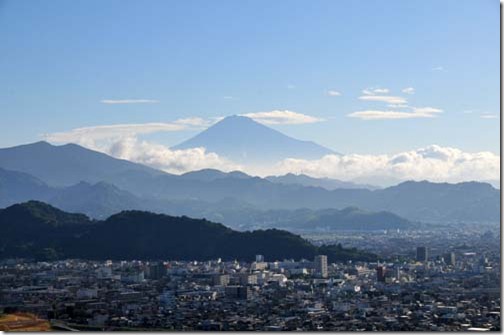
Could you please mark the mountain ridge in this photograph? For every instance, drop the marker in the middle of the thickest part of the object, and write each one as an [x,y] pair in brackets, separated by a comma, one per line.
[415,201]
[145,235]
[66,164]
[327,183]
[101,200]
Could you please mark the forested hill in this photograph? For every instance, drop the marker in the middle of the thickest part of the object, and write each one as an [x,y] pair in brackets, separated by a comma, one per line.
[37,230]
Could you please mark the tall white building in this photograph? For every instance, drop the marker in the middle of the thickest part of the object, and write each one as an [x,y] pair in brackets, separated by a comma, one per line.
[320,263]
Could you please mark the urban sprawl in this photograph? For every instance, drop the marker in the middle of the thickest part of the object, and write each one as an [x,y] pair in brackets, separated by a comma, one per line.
[458,289]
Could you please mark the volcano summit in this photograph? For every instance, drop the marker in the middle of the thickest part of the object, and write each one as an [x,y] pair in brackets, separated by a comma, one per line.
[244,140]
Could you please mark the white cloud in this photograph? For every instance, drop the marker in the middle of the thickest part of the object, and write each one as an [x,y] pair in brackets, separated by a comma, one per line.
[381,90]
[291,86]
[408,90]
[229,97]
[129,101]
[282,117]
[87,134]
[482,114]
[417,112]
[426,110]
[373,91]
[161,157]
[90,135]
[398,106]
[386,115]
[193,121]
[435,163]
[333,93]
[438,68]
[489,116]
[384,98]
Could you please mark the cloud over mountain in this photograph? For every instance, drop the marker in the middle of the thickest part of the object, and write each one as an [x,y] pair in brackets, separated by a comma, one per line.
[433,163]
[161,157]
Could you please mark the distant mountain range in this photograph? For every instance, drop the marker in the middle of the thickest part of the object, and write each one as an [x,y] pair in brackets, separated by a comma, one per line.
[112,185]
[350,218]
[213,174]
[244,140]
[288,179]
[101,200]
[327,183]
[37,230]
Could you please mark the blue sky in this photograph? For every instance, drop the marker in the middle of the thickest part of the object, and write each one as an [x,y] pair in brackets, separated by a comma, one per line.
[61,59]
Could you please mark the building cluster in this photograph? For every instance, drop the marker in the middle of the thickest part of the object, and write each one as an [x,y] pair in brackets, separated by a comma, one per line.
[397,243]
[458,292]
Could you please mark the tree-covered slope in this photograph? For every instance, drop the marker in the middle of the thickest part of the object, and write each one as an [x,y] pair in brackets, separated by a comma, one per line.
[38,230]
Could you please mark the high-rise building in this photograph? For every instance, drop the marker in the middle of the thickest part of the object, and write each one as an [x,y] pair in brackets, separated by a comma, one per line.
[320,264]
[238,292]
[259,258]
[450,258]
[104,272]
[220,279]
[422,254]
[380,273]
[259,266]
[247,279]
[156,270]
[397,272]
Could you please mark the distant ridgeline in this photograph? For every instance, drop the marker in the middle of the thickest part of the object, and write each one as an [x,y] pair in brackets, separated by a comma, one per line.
[77,179]
[38,230]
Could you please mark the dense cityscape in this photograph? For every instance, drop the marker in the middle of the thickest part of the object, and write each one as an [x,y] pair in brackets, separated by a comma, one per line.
[427,288]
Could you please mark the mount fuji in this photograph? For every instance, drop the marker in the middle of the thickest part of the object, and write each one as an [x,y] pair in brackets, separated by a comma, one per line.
[246,141]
